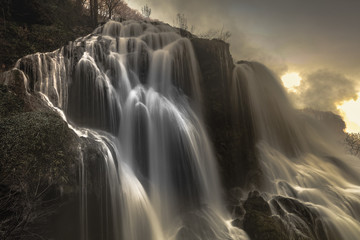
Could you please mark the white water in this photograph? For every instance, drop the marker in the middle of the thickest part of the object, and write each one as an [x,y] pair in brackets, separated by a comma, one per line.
[134,89]
[298,155]
[128,87]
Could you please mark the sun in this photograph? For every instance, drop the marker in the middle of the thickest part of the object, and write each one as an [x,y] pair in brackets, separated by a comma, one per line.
[351,113]
[291,80]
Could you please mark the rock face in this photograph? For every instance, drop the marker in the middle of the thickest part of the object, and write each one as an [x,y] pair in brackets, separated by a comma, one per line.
[40,156]
[281,218]
[232,135]
[38,159]
[259,222]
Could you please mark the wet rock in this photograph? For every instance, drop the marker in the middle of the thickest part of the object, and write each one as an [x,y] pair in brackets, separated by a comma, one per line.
[38,159]
[233,138]
[237,223]
[301,219]
[258,221]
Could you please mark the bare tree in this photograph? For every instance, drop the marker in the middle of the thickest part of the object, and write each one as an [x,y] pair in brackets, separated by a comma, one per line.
[111,6]
[352,141]
[181,21]
[146,11]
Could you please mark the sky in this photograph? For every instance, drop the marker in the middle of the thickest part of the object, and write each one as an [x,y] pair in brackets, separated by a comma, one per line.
[317,40]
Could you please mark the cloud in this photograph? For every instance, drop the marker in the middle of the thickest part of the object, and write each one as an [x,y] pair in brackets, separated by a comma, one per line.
[325,90]
[299,36]
[304,35]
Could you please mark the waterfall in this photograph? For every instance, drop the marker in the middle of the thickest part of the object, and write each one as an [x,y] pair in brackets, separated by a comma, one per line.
[133,88]
[299,158]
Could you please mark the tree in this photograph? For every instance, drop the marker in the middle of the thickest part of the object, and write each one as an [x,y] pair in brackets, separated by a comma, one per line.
[94,8]
[352,141]
[111,5]
[146,11]
[181,21]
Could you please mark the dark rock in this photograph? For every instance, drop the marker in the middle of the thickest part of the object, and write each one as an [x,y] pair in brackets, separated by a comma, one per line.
[237,223]
[256,203]
[258,221]
[233,138]
[302,219]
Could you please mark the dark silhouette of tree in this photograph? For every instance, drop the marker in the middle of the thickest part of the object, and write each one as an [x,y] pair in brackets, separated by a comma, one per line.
[94,11]
[352,141]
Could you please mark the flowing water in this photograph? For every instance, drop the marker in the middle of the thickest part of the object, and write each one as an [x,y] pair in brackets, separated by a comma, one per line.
[133,88]
[299,156]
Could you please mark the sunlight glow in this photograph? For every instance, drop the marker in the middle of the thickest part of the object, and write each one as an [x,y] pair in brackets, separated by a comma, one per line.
[351,112]
[291,80]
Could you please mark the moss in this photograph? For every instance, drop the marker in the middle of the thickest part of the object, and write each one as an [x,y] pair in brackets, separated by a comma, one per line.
[36,147]
[10,103]
[38,164]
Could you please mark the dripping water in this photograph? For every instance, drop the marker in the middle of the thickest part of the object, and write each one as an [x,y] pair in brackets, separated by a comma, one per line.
[133,88]
[299,157]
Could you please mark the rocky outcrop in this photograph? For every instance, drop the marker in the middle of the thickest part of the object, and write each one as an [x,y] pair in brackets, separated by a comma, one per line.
[280,218]
[232,136]
[38,159]
[40,168]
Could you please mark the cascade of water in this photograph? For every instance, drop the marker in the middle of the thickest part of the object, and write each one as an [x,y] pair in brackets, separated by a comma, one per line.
[298,157]
[134,86]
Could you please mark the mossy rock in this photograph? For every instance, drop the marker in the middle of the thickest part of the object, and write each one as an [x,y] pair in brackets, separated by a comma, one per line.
[36,147]
[10,103]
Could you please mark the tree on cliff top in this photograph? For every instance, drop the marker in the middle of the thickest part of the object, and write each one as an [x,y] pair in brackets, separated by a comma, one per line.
[352,141]
[146,11]
[110,6]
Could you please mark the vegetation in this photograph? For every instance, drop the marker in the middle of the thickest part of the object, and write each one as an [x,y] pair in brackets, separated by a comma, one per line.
[38,26]
[38,158]
[181,21]
[33,26]
[146,11]
[352,141]
[219,34]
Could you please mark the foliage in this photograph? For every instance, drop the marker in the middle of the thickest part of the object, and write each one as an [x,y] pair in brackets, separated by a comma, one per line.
[10,103]
[124,12]
[38,26]
[352,141]
[37,156]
